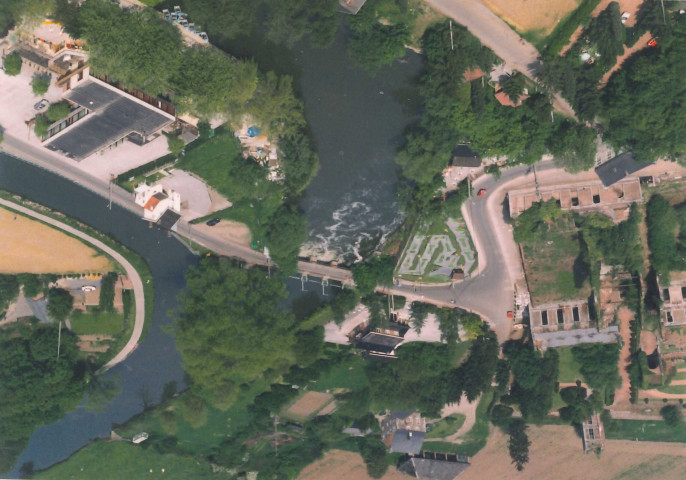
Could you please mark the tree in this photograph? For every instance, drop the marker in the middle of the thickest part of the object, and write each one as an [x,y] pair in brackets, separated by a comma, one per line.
[309,345]
[518,443]
[147,63]
[275,108]
[573,146]
[204,130]
[344,301]
[9,290]
[501,415]
[58,111]
[194,410]
[175,144]
[41,125]
[513,86]
[286,233]
[288,21]
[12,64]
[208,82]
[374,456]
[40,84]
[299,162]
[418,313]
[377,270]
[60,303]
[672,415]
[230,326]
[662,227]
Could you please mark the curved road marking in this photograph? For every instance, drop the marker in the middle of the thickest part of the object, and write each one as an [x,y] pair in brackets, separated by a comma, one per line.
[130,271]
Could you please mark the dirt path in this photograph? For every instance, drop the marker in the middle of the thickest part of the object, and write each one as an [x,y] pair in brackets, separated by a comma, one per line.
[556,453]
[648,342]
[640,45]
[464,408]
[623,393]
[130,271]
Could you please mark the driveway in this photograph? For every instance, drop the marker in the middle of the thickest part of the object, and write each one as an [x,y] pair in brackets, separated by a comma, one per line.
[517,53]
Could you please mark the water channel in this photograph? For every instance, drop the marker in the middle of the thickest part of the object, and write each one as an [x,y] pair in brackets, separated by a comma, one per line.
[357,123]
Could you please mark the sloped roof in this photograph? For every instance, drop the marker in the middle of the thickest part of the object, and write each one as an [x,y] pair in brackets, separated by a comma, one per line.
[472,74]
[168,219]
[379,342]
[407,441]
[463,156]
[432,469]
[618,167]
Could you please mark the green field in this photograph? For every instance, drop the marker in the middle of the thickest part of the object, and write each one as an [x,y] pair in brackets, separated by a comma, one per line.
[446,427]
[645,431]
[677,389]
[126,461]
[89,323]
[348,374]
[569,367]
[475,439]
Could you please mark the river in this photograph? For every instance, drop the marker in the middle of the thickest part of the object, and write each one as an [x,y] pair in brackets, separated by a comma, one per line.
[357,123]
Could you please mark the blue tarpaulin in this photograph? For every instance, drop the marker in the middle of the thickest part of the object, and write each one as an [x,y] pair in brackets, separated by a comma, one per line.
[254,131]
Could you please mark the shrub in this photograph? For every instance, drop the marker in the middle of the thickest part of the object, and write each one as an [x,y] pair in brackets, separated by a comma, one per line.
[58,111]
[40,84]
[12,64]
[672,415]
[41,125]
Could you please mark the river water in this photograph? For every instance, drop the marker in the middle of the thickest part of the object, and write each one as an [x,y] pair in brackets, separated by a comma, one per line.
[357,123]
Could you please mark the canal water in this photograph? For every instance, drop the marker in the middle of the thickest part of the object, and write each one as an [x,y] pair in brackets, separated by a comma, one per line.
[357,124]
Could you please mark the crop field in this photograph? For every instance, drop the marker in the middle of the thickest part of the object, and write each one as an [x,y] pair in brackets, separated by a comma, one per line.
[540,16]
[308,405]
[28,246]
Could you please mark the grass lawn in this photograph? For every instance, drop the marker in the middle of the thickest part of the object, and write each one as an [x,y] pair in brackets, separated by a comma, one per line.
[126,461]
[89,323]
[569,367]
[549,263]
[679,389]
[348,374]
[645,431]
[446,427]
[475,439]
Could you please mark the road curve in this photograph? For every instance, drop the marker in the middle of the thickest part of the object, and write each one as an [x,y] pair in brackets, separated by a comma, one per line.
[138,291]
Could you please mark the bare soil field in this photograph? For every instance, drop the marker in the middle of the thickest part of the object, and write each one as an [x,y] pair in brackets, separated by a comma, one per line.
[556,453]
[228,230]
[623,393]
[308,404]
[28,246]
[540,16]
[341,465]
[648,342]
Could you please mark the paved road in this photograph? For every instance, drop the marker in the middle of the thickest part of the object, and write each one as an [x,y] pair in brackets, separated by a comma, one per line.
[517,53]
[130,271]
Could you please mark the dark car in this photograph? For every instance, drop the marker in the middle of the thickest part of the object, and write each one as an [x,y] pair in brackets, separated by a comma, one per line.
[212,222]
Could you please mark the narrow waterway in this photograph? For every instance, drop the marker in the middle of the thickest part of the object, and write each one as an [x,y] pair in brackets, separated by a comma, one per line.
[142,376]
[357,122]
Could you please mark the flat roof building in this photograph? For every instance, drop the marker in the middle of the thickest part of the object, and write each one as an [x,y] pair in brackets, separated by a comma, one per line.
[112,116]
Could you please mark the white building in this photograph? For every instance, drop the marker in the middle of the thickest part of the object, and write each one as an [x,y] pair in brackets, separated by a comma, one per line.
[160,204]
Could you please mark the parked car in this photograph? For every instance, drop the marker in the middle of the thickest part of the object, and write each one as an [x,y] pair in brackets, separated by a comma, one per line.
[481,193]
[41,105]
[88,288]
[213,222]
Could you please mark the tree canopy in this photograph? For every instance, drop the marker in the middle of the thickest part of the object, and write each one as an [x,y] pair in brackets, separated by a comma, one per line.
[60,303]
[230,329]
[12,64]
[378,270]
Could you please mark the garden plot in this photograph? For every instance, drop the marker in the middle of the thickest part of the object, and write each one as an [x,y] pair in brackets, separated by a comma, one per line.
[437,249]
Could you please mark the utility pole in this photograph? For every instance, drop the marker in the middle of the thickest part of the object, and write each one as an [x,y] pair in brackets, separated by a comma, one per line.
[59,339]
[452,45]
[664,19]
[110,185]
[538,193]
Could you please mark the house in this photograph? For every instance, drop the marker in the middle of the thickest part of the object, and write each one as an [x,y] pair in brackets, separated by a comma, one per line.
[160,204]
[350,6]
[434,466]
[472,74]
[618,167]
[404,432]
[463,163]
[379,344]
[593,434]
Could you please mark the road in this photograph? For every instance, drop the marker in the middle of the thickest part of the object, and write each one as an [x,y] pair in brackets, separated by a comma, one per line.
[138,291]
[517,53]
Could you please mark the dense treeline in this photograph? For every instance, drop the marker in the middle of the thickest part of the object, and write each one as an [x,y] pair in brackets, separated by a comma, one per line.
[467,112]
[664,228]
[35,386]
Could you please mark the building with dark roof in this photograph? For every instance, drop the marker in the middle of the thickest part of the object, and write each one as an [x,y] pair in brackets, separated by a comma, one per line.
[404,432]
[379,343]
[112,116]
[618,167]
[407,441]
[434,466]
[463,156]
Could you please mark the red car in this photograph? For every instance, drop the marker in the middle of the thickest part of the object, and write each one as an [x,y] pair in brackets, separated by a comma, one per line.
[481,193]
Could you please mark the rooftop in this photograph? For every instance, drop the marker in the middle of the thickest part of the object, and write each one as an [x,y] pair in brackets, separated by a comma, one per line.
[379,342]
[618,167]
[567,338]
[437,466]
[114,115]
[463,156]
[407,441]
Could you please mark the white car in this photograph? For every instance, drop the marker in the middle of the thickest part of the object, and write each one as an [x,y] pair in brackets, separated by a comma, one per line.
[41,105]
[88,288]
